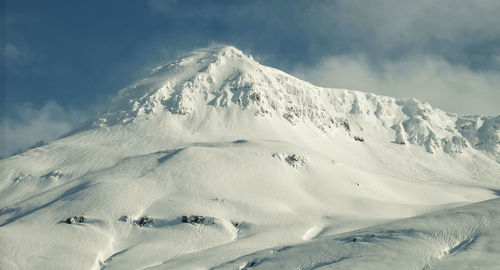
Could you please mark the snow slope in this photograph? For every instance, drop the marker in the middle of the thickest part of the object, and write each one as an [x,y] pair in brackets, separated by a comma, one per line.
[215,161]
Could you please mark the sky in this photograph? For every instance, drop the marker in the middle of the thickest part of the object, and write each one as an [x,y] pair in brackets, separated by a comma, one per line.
[62,61]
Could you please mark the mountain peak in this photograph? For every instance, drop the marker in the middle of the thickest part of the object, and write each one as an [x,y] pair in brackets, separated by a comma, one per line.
[213,74]
[206,56]
[225,79]
[226,51]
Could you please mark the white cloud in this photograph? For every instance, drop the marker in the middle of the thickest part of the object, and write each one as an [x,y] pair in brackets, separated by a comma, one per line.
[29,125]
[454,88]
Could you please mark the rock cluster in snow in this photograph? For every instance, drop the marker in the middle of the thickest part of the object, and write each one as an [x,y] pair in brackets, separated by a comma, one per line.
[194,219]
[75,219]
[53,175]
[293,160]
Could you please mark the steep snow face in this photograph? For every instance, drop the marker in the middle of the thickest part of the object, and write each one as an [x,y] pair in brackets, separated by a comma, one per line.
[224,77]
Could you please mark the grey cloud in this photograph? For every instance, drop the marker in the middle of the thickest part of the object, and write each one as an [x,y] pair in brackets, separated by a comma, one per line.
[454,88]
[414,21]
[462,31]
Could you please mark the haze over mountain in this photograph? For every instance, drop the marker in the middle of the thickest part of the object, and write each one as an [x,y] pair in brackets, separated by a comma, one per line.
[215,161]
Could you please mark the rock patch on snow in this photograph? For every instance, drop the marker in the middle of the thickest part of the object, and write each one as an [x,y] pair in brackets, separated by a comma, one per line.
[194,219]
[358,139]
[75,219]
[145,221]
[22,178]
[293,160]
[53,175]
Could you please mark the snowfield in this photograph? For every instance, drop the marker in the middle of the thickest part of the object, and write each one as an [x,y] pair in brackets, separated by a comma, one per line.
[217,162]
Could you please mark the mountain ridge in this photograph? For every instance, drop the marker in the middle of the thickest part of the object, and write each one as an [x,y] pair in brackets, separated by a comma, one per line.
[225,77]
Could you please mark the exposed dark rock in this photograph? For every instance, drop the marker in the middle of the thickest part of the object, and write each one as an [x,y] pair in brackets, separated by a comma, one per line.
[292,113]
[255,96]
[346,126]
[193,219]
[54,175]
[262,112]
[466,126]
[235,224]
[292,159]
[75,219]
[218,200]
[22,178]
[359,139]
[145,221]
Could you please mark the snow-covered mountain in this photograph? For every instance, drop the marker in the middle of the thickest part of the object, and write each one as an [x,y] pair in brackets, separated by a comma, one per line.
[215,161]
[226,78]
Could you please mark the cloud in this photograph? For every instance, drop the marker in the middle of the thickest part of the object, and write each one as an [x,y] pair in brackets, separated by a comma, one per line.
[444,52]
[11,52]
[28,125]
[460,31]
[454,88]
[162,6]
[395,21]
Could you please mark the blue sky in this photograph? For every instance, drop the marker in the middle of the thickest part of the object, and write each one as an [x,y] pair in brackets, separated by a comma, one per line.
[65,59]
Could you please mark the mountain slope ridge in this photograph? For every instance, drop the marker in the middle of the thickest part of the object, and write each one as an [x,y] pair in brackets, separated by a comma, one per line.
[224,77]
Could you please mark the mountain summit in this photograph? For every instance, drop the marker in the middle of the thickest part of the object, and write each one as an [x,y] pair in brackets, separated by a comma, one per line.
[214,161]
[223,77]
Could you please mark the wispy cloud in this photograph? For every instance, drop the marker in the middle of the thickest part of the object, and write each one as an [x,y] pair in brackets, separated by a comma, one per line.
[11,53]
[28,125]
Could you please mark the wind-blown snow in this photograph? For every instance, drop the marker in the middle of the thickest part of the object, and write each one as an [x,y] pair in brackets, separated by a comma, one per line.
[215,161]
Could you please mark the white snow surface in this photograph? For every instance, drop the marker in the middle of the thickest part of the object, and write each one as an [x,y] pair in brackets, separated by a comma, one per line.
[214,161]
